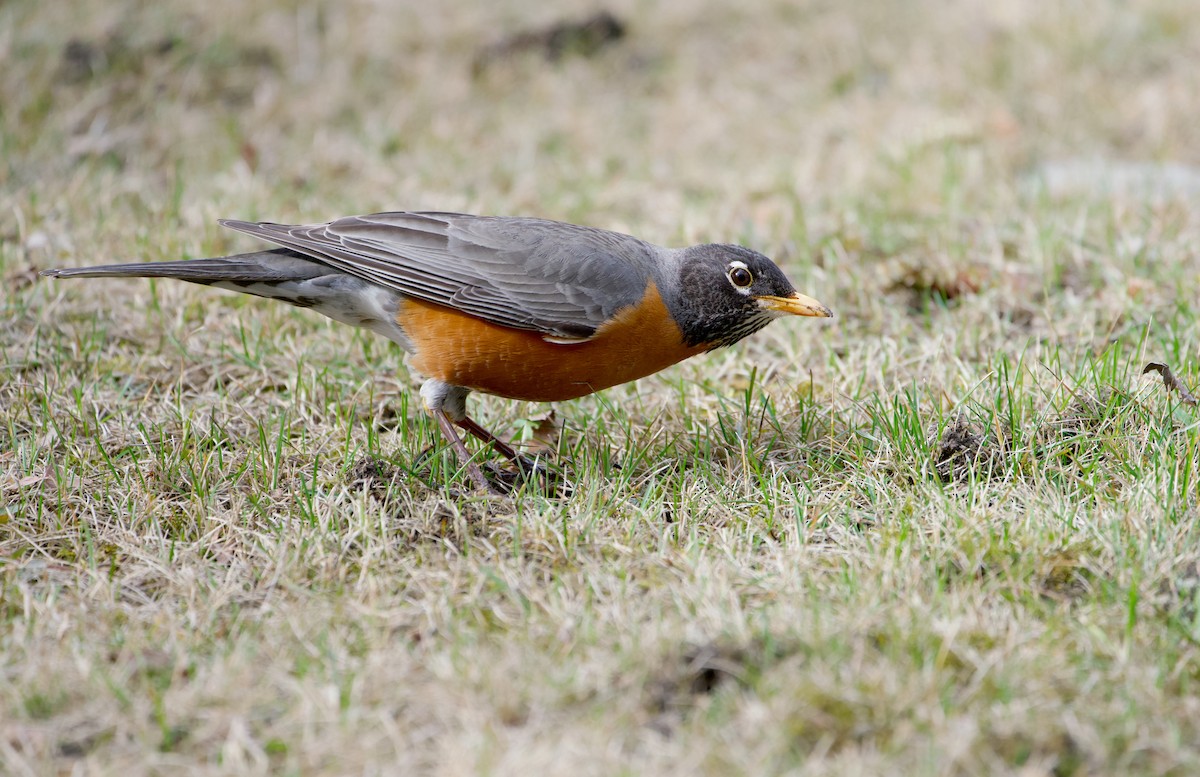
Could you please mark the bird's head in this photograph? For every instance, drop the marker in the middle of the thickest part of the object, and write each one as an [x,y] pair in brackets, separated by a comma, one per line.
[724,293]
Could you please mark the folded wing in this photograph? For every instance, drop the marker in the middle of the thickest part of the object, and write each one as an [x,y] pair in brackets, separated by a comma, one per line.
[545,276]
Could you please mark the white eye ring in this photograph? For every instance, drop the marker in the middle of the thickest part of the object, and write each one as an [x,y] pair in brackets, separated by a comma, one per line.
[740,276]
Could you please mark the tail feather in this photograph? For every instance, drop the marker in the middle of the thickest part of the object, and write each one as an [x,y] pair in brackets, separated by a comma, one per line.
[280,274]
[275,266]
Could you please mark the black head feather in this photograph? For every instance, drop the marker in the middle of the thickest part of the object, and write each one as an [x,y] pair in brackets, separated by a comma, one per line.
[711,301]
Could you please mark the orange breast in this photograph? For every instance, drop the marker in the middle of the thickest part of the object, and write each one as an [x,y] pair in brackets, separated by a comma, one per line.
[465,351]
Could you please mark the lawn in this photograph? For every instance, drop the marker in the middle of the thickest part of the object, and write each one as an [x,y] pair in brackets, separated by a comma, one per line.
[950,532]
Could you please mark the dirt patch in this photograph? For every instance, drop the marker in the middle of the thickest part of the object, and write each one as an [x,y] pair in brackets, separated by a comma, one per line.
[931,278]
[1067,578]
[698,671]
[377,476]
[1093,425]
[685,679]
[584,38]
[965,449]
[85,59]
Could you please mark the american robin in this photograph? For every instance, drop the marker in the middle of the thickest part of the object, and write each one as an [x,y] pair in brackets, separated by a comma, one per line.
[517,307]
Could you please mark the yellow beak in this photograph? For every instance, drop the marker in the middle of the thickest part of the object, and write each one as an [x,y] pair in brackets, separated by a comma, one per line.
[796,305]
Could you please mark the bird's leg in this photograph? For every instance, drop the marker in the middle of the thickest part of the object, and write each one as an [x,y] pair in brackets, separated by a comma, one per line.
[464,456]
[524,463]
[447,403]
[486,437]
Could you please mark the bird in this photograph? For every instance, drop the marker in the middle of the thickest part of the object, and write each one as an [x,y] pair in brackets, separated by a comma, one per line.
[517,307]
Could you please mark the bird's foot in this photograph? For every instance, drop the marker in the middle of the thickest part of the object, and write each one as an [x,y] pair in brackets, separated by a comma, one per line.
[535,472]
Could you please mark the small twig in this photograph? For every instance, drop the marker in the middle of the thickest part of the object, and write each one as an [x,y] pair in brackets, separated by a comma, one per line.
[1172,382]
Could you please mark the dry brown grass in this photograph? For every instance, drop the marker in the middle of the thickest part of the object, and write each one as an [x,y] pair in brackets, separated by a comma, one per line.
[221,552]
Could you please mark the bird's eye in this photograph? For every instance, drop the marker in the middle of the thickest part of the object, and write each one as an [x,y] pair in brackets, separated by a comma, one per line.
[740,277]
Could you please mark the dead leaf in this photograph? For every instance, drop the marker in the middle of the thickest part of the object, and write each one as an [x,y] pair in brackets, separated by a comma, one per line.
[1171,382]
[540,436]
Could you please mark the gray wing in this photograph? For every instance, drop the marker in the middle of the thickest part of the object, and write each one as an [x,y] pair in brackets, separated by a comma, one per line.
[546,276]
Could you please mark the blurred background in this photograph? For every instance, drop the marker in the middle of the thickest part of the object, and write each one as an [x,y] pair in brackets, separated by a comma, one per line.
[684,120]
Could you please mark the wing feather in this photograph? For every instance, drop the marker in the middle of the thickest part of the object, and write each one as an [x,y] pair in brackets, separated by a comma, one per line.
[546,276]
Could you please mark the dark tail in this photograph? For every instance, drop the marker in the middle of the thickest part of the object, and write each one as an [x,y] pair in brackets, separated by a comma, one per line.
[276,266]
[281,274]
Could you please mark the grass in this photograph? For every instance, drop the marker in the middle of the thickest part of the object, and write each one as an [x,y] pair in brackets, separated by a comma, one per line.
[950,532]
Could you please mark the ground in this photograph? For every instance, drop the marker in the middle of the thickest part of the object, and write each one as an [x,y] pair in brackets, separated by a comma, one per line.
[951,532]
